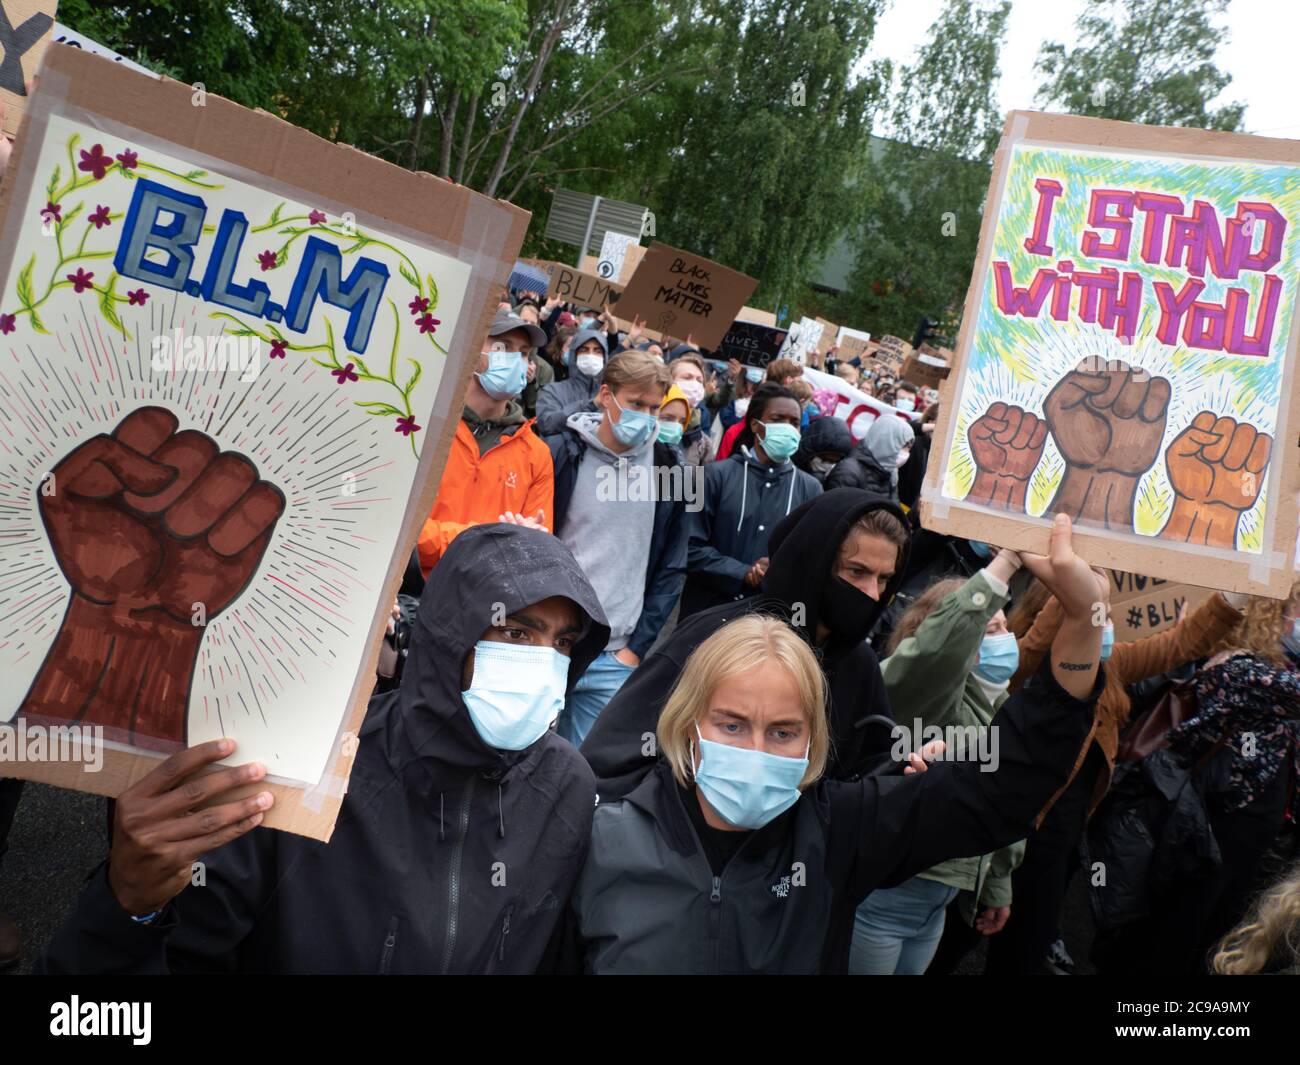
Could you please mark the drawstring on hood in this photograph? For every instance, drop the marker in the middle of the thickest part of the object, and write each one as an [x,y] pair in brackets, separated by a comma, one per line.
[751,460]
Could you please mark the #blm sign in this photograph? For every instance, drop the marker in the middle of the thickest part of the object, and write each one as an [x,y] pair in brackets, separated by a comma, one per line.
[1142,606]
[234,356]
[1128,353]
[683,294]
[584,290]
[25,30]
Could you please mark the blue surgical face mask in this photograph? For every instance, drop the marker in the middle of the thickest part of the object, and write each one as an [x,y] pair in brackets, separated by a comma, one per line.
[670,432]
[747,788]
[633,427]
[589,323]
[754,375]
[904,403]
[1107,640]
[516,694]
[506,375]
[780,441]
[981,549]
[999,658]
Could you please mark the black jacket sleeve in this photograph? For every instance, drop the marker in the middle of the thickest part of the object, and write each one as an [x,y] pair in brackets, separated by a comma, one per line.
[199,931]
[885,829]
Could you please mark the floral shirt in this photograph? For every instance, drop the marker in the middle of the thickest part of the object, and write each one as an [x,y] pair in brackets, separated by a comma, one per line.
[1255,707]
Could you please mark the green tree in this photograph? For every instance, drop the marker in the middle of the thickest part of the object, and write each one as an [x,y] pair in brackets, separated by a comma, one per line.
[1148,61]
[918,244]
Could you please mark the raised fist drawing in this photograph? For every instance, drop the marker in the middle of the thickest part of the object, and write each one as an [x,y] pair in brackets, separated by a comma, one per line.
[1108,423]
[1007,443]
[1216,467]
[157,532]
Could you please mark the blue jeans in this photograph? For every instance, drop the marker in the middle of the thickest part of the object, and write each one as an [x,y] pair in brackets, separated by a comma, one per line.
[897,930]
[594,689]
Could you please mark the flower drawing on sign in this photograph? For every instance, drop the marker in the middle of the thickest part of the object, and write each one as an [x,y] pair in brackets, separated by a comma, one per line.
[77,225]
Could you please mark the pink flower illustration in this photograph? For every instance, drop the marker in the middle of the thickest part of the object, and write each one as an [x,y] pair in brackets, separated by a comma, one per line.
[345,374]
[8,323]
[406,426]
[95,161]
[267,259]
[100,218]
[128,159]
[81,280]
[137,298]
[52,210]
[316,217]
[428,323]
[277,350]
[419,305]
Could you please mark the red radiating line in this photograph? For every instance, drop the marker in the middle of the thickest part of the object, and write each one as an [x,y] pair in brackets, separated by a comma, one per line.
[309,599]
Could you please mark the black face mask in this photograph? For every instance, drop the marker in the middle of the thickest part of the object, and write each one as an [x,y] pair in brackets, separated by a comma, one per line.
[847,612]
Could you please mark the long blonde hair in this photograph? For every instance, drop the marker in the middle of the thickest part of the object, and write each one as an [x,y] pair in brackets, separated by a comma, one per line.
[1270,935]
[736,647]
[1261,628]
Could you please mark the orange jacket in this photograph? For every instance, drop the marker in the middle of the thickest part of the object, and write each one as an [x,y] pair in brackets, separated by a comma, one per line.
[1192,638]
[475,489]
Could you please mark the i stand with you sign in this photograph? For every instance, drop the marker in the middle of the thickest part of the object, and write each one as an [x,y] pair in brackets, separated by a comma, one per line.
[231,361]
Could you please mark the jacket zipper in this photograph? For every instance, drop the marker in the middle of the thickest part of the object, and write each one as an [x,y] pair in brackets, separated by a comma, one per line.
[453,882]
[505,931]
[390,941]
[715,921]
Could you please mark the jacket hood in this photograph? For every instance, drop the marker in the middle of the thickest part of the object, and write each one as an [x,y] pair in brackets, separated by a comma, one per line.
[884,441]
[513,415]
[805,545]
[487,569]
[823,434]
[582,336]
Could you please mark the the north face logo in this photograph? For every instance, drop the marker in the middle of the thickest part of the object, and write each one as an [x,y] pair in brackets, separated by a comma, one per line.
[781,889]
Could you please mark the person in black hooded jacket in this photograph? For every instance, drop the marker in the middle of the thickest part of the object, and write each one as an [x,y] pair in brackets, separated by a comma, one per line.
[829,577]
[449,855]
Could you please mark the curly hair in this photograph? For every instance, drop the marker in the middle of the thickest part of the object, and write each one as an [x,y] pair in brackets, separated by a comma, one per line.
[1261,628]
[1269,938]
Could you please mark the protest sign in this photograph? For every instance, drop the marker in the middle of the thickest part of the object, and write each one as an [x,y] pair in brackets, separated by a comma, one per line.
[852,347]
[801,340]
[234,360]
[25,31]
[586,291]
[896,349]
[756,316]
[1142,606]
[681,293]
[613,250]
[1127,354]
[751,344]
[925,370]
[857,408]
[63,35]
[829,331]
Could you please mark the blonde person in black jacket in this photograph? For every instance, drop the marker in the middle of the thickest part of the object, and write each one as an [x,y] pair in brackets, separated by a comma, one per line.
[733,855]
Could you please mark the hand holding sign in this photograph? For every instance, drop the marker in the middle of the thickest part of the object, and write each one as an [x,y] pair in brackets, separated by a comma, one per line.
[1216,469]
[1108,424]
[1006,443]
[157,532]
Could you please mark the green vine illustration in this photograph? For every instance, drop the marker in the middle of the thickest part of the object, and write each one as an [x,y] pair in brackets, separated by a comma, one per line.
[354,369]
[95,166]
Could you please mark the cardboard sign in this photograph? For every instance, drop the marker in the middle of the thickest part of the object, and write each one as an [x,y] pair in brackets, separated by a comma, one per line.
[70,37]
[756,316]
[852,404]
[897,349]
[750,344]
[924,374]
[1128,353]
[829,332]
[1155,610]
[583,290]
[234,359]
[852,347]
[25,30]
[682,293]
[801,340]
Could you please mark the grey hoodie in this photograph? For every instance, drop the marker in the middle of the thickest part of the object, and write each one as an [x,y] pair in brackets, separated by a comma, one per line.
[559,399]
[609,525]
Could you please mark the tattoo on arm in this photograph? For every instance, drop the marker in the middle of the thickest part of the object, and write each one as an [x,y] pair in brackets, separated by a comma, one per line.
[1076,665]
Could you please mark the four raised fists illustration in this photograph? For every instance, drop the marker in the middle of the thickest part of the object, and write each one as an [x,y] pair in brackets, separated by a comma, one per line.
[1216,468]
[1007,443]
[1108,421]
[157,532]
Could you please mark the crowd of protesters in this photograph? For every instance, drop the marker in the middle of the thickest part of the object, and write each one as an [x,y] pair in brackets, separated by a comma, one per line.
[686,687]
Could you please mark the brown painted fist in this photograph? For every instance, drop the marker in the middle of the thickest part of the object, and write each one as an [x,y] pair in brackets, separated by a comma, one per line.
[157,532]
[1110,419]
[1216,467]
[1008,441]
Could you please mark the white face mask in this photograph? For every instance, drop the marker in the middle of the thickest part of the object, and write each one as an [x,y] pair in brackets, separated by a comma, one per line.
[591,365]
[903,456]
[821,465]
[742,405]
[693,391]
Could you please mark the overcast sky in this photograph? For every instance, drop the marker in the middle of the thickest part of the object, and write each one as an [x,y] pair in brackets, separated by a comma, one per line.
[1264,65]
